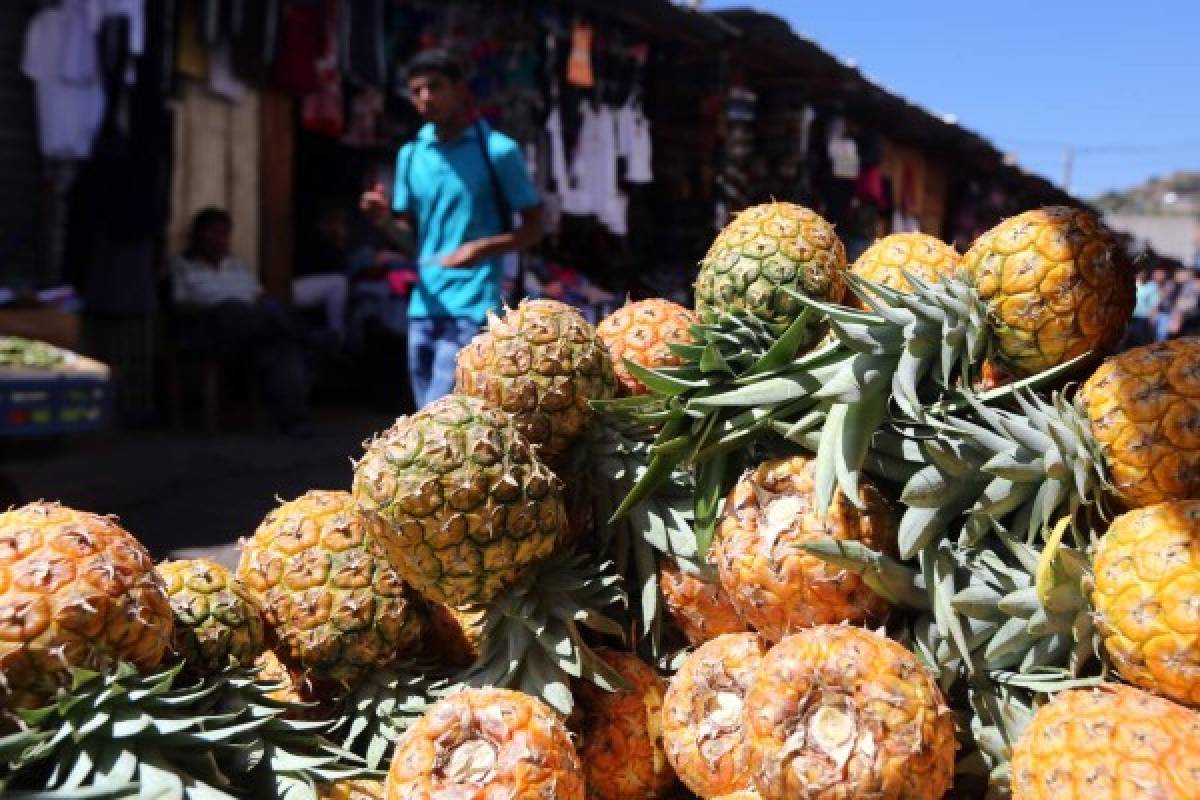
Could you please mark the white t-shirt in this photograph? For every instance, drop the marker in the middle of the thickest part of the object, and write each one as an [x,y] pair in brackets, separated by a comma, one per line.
[69,110]
[198,283]
[633,144]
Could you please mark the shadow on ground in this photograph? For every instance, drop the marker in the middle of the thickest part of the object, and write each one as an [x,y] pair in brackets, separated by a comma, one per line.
[182,493]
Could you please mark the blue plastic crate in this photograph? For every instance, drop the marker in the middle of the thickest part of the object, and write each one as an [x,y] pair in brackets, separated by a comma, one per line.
[54,404]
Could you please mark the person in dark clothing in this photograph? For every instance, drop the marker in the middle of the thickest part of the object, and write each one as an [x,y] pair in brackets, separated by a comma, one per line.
[224,314]
[319,277]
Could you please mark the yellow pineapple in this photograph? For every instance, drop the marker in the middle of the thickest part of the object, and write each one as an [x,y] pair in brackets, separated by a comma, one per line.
[622,750]
[1143,413]
[543,363]
[703,714]
[1109,743]
[923,256]
[700,608]
[336,606]
[76,590]
[486,743]
[840,712]
[1056,284]
[777,587]
[1146,598]
[764,250]
[469,505]
[218,621]
[641,332]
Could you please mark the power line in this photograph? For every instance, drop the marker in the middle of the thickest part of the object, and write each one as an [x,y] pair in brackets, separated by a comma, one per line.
[1103,148]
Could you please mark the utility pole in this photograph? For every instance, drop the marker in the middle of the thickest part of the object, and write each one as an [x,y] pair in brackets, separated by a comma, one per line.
[1068,164]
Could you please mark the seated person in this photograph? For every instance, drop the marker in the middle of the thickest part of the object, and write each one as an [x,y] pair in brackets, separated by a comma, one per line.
[226,316]
[319,275]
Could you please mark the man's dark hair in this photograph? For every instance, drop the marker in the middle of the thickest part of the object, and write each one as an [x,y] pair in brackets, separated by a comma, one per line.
[439,61]
[204,218]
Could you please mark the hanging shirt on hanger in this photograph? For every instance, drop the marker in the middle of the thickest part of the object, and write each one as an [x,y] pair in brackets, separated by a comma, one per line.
[69,112]
[633,143]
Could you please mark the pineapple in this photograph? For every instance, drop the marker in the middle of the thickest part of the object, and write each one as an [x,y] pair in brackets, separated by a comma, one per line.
[622,750]
[454,634]
[468,504]
[543,363]
[643,332]
[1109,742]
[766,250]
[218,622]
[700,608]
[887,260]
[336,606]
[1055,283]
[1146,597]
[1141,412]
[839,712]
[76,590]
[353,790]
[486,743]
[777,587]
[703,714]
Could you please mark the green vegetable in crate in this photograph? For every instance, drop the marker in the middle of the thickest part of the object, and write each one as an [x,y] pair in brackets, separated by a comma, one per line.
[17,351]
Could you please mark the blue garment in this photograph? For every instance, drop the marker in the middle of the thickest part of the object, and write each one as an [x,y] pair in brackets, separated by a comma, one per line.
[433,346]
[447,188]
[1147,300]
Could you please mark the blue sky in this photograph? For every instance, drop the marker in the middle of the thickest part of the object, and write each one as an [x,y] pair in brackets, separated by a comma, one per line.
[1117,81]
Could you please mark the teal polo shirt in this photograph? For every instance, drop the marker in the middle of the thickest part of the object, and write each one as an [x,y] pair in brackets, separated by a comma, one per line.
[446,187]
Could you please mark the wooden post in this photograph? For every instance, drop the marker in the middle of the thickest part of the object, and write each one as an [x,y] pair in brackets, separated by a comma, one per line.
[277,184]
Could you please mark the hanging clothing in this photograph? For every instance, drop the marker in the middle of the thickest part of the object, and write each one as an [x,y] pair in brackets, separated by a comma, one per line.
[323,110]
[221,80]
[69,111]
[302,40]
[579,63]
[634,143]
[361,42]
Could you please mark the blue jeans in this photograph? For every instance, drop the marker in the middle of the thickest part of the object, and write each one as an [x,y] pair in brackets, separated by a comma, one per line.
[433,346]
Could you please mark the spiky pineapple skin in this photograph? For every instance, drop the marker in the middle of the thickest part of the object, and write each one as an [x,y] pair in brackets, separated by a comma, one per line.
[642,333]
[469,505]
[1143,407]
[486,743]
[923,256]
[1056,283]
[218,621]
[703,714]
[1108,743]
[839,712]
[336,606]
[76,590]
[699,608]
[777,587]
[622,751]
[764,250]
[543,363]
[1146,598]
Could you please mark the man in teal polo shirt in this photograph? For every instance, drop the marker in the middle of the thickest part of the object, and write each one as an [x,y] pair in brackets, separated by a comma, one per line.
[457,187]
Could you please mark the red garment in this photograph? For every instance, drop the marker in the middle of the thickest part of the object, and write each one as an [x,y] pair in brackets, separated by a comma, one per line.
[324,111]
[302,32]
[868,187]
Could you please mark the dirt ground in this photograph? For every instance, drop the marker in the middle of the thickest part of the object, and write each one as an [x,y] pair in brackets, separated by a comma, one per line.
[185,493]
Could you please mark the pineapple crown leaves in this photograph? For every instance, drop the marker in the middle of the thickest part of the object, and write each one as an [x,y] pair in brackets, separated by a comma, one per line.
[125,734]
[385,705]
[1002,610]
[612,455]
[534,633]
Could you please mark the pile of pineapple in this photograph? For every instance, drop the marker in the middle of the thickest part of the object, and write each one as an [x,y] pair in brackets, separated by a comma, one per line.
[836,533]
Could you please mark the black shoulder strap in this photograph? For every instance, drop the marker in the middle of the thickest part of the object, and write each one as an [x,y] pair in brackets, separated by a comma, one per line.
[502,206]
